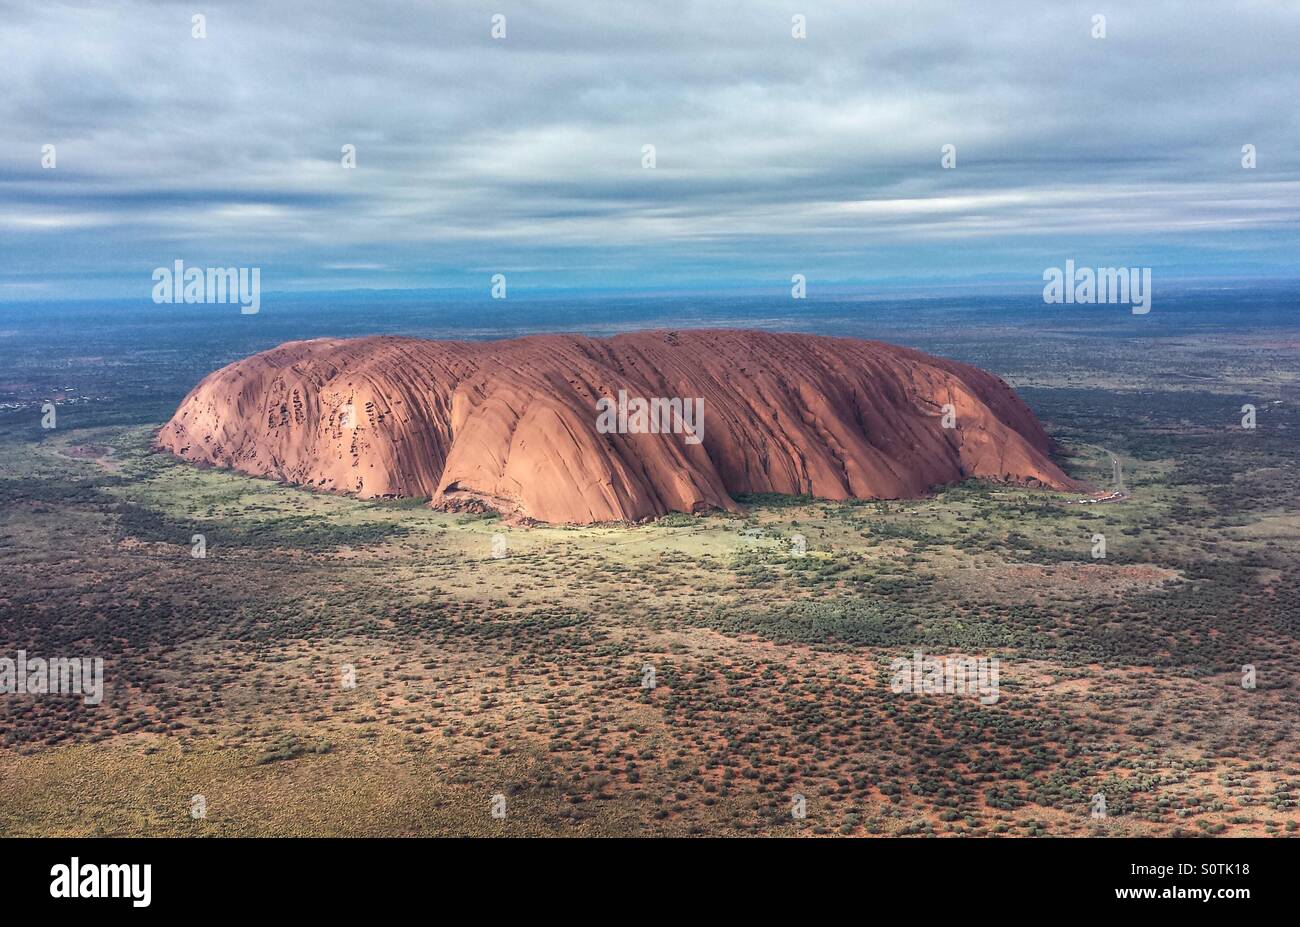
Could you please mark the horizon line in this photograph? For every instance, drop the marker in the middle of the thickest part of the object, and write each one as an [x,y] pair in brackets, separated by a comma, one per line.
[864,289]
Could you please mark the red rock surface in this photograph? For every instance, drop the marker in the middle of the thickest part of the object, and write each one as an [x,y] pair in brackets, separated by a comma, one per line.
[511,425]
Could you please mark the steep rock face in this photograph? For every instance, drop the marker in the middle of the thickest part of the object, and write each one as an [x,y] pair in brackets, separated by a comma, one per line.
[512,425]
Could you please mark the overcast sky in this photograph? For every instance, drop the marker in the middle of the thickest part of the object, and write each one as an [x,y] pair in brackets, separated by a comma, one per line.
[523,155]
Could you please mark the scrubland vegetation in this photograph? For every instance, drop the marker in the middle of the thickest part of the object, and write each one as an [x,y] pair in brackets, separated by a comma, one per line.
[526,676]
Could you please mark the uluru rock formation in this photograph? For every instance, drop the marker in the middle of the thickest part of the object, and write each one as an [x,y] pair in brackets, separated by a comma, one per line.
[513,425]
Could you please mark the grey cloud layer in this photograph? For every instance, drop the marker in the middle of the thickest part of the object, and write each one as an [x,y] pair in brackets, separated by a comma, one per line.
[532,144]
